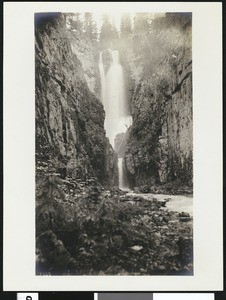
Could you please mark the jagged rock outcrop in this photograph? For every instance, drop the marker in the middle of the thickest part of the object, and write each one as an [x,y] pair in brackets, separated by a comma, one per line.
[160,147]
[87,52]
[120,143]
[70,135]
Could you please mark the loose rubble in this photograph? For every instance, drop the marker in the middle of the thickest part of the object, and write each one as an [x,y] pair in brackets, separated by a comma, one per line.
[100,232]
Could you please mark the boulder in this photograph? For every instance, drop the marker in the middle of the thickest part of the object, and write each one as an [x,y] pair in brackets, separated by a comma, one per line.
[144,189]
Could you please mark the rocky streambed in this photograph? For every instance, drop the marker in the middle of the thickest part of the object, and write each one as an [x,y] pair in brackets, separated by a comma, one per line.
[178,203]
[100,232]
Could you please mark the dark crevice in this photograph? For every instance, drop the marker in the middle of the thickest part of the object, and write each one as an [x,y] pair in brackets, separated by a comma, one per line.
[178,86]
[63,89]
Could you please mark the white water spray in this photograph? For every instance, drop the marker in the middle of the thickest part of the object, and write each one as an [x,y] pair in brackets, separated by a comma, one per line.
[120,173]
[117,118]
[102,77]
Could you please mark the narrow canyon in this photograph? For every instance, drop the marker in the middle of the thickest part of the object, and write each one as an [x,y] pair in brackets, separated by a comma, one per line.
[114,144]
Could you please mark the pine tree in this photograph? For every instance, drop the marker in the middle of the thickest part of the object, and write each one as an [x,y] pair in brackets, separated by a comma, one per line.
[90,27]
[115,36]
[125,26]
[141,23]
[106,32]
[75,21]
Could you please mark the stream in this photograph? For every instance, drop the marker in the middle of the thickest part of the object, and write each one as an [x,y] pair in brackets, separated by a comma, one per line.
[179,203]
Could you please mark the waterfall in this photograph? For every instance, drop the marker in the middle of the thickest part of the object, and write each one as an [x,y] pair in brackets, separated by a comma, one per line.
[102,77]
[117,118]
[120,173]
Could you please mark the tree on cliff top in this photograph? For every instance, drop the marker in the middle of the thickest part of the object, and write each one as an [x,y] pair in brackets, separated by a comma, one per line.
[141,23]
[125,26]
[74,21]
[108,33]
[90,27]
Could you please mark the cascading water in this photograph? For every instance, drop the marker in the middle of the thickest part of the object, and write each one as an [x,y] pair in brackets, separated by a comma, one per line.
[117,118]
[102,77]
[120,173]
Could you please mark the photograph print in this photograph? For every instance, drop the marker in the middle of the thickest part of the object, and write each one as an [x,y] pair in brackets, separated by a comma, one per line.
[113,143]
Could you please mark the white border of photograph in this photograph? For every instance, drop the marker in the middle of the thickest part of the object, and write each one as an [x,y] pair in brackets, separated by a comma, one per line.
[19,151]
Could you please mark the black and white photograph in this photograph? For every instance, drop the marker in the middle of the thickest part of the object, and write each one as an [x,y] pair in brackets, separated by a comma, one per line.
[114,146]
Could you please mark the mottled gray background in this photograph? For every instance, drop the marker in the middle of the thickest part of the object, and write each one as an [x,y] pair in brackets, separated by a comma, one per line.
[125,296]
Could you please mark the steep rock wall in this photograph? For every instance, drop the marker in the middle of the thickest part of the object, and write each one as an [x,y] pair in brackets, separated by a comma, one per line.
[160,147]
[70,135]
[87,52]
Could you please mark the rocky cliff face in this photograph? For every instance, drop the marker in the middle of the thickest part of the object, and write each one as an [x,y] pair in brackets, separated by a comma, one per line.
[70,135]
[87,53]
[159,148]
